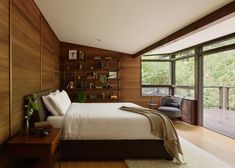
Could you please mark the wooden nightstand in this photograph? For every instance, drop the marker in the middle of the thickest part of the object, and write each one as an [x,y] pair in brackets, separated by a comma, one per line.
[31,146]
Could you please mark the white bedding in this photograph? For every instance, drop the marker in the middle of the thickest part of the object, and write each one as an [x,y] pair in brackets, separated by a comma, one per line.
[55,121]
[104,121]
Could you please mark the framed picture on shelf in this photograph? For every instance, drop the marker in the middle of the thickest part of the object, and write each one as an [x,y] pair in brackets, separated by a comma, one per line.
[72,54]
[112,75]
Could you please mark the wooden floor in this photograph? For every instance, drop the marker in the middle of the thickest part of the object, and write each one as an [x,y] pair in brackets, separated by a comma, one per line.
[218,145]
[220,120]
[214,143]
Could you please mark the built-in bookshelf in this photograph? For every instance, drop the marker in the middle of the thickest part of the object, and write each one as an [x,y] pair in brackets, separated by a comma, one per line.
[95,77]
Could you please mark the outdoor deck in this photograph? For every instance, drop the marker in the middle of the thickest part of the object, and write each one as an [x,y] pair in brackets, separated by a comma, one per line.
[220,120]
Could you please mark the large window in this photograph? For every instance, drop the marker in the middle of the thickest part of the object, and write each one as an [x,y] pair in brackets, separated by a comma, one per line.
[155,73]
[174,73]
[219,86]
[219,80]
[204,72]
[155,77]
[184,77]
[184,72]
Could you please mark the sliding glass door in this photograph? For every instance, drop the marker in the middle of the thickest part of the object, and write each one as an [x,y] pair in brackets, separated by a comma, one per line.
[219,92]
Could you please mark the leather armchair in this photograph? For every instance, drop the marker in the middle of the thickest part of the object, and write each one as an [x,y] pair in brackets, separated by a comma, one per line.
[170,106]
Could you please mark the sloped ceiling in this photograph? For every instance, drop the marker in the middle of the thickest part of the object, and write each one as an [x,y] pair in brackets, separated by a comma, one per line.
[122,25]
[215,31]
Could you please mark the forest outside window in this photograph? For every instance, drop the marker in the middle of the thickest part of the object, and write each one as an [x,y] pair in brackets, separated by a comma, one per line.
[155,78]
[185,78]
[174,73]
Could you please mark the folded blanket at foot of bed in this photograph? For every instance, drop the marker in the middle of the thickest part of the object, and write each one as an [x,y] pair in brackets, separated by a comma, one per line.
[161,126]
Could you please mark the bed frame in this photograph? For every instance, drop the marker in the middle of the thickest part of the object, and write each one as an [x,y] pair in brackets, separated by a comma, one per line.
[112,149]
[104,149]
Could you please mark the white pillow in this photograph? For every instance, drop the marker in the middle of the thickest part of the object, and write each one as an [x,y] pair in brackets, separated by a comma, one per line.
[55,92]
[50,107]
[61,101]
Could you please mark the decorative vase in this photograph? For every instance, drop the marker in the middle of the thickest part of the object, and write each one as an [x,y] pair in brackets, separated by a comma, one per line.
[27,127]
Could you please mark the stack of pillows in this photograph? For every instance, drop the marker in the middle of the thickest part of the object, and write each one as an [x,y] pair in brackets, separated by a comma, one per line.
[57,103]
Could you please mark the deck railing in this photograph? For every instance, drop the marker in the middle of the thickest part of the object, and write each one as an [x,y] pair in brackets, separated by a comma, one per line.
[224,97]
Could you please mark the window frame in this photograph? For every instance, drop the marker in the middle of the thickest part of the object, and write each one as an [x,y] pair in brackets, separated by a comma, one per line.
[175,86]
[198,52]
[169,86]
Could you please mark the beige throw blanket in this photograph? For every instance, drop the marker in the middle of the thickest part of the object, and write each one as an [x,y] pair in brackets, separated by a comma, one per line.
[162,127]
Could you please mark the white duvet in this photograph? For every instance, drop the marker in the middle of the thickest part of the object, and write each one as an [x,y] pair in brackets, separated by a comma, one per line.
[104,121]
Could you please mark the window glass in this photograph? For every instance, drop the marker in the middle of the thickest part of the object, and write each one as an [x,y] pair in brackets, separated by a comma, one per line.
[232,98]
[185,92]
[185,53]
[219,79]
[155,91]
[219,69]
[184,72]
[219,44]
[155,73]
[155,57]
[211,97]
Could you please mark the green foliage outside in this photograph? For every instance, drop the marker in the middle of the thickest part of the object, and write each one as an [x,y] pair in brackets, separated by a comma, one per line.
[184,76]
[219,70]
[155,73]
[184,72]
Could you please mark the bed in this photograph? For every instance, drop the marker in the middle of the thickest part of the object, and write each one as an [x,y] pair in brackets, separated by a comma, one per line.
[116,135]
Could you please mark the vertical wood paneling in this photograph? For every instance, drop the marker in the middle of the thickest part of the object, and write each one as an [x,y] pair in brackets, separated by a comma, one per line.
[57,64]
[50,57]
[4,71]
[25,56]
[20,63]
[131,81]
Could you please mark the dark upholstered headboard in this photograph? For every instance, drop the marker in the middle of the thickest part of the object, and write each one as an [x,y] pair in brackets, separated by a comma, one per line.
[42,113]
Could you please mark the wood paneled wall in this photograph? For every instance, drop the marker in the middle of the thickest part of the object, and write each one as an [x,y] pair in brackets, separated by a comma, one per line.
[50,57]
[131,81]
[35,63]
[34,56]
[26,57]
[4,70]
[90,51]
[29,61]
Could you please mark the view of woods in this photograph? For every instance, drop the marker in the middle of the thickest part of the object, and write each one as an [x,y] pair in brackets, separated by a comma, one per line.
[155,73]
[217,63]
[184,72]
[184,76]
[219,73]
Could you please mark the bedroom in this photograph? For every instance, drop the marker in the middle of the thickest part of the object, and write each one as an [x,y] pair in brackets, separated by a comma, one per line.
[32,57]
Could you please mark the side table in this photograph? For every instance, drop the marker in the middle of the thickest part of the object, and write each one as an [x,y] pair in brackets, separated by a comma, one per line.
[152,105]
[32,146]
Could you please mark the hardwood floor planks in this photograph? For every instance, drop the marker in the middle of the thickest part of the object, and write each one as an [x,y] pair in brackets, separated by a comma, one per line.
[217,144]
